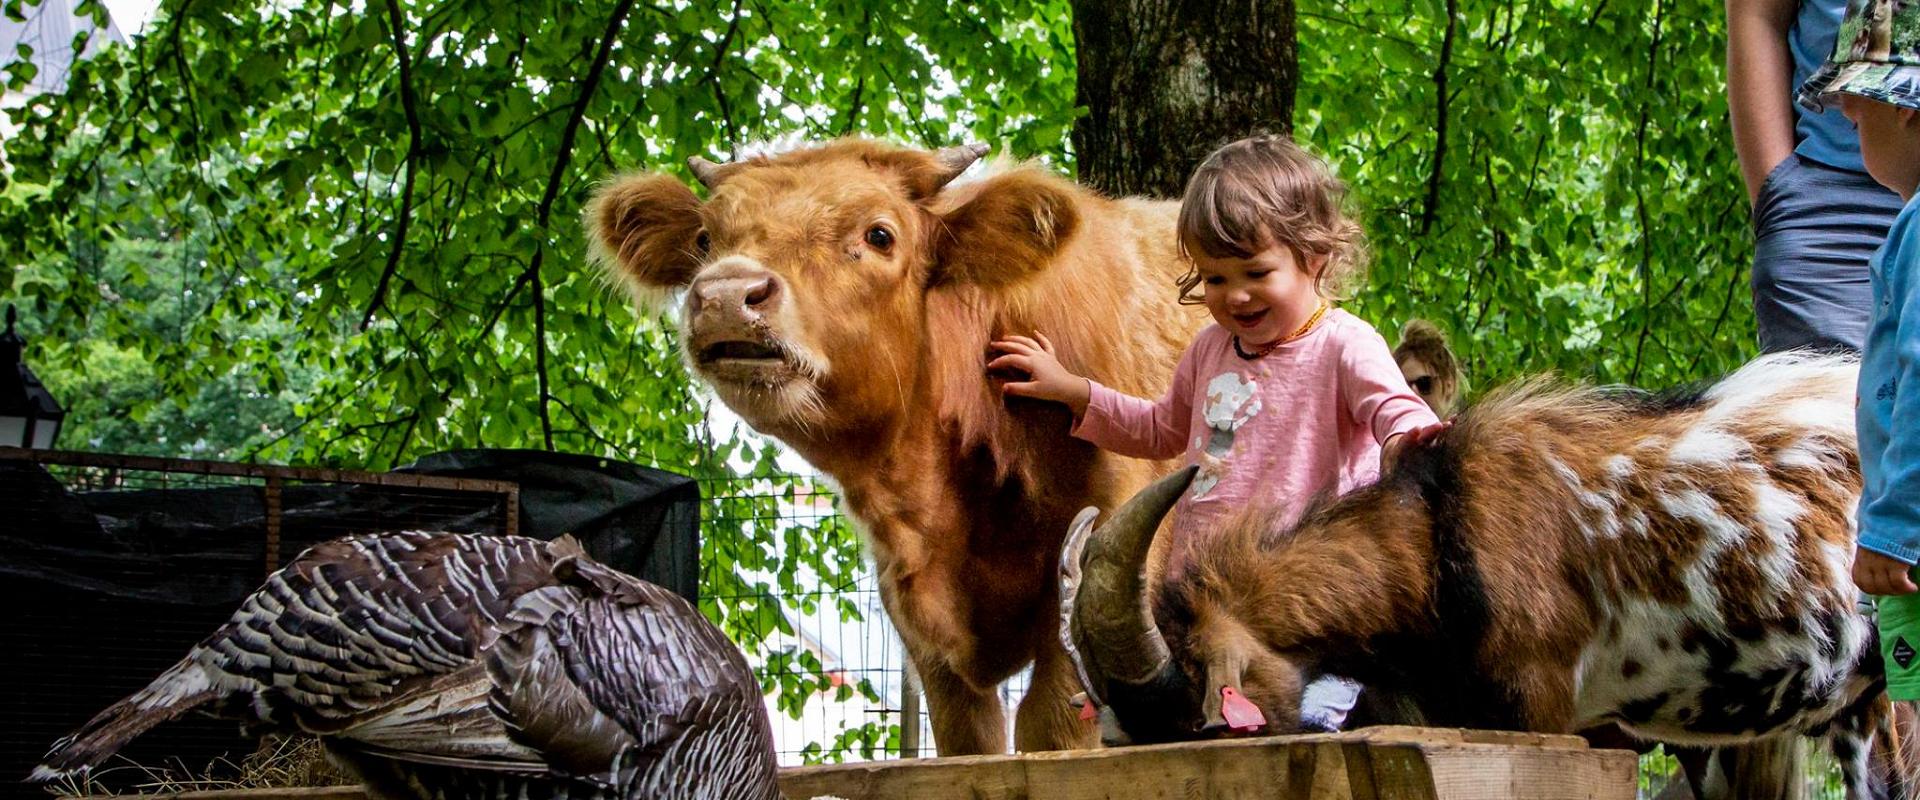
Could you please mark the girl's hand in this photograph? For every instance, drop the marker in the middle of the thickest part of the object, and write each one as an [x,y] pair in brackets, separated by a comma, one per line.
[1046,378]
[1391,449]
[1881,575]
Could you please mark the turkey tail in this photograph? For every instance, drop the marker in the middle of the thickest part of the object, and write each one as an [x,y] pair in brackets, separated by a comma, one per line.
[178,690]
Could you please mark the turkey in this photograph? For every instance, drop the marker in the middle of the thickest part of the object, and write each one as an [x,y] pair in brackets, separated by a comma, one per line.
[438,665]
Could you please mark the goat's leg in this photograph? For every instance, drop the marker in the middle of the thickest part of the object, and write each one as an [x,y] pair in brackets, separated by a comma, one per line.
[966,720]
[1763,769]
[1046,720]
[1873,742]
[1894,753]
[1851,747]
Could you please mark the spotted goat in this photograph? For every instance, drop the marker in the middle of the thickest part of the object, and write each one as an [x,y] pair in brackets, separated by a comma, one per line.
[1561,558]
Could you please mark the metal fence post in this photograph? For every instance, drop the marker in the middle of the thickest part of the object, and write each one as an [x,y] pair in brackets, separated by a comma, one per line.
[272,492]
[909,712]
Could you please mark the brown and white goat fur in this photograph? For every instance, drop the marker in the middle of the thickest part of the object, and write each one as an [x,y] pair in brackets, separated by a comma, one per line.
[1561,557]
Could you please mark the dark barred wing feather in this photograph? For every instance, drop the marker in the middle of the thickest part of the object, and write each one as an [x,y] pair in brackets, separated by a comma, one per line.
[363,636]
[611,673]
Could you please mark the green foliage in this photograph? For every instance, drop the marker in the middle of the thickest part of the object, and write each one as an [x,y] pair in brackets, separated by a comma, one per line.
[1589,216]
[318,233]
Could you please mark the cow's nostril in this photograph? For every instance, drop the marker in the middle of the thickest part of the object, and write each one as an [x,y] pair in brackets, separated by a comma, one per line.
[761,293]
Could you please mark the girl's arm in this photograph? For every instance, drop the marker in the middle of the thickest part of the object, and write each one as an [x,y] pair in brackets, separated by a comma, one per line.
[1376,392]
[1138,427]
[1046,379]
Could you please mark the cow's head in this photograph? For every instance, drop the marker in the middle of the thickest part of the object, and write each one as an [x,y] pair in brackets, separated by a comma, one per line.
[1160,676]
[806,274]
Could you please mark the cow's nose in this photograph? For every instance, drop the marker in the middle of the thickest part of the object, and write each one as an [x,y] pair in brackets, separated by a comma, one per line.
[756,292]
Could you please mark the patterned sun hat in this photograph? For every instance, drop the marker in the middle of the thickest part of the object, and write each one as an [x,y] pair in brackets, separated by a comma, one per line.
[1876,56]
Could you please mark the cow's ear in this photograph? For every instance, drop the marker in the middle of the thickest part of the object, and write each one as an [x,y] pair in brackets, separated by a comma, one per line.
[1011,229]
[645,231]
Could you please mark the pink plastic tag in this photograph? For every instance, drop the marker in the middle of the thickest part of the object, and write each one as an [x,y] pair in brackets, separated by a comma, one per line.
[1241,714]
[1087,711]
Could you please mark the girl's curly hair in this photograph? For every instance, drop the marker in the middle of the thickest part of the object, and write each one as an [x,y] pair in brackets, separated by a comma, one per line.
[1264,191]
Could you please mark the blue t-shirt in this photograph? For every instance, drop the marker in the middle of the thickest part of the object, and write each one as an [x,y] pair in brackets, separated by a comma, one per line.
[1888,417]
[1828,137]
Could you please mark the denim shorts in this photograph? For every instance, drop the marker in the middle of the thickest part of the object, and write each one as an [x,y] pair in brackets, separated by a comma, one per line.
[1814,229]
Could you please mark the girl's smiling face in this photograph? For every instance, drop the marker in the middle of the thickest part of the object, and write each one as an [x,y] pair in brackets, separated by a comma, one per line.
[1259,298]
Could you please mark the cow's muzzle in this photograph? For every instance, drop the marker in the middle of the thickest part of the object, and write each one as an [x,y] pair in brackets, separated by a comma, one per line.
[731,308]
[734,291]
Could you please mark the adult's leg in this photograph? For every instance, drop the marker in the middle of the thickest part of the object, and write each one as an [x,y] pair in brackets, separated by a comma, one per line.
[1815,227]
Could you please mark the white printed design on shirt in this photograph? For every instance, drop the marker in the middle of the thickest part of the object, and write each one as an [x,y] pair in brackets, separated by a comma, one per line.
[1232,399]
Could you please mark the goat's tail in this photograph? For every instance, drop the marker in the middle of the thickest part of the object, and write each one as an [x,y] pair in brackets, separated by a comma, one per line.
[181,688]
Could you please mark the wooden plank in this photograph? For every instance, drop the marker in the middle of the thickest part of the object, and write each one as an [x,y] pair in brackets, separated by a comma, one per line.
[1543,773]
[1403,764]
[320,793]
[1373,764]
[1407,734]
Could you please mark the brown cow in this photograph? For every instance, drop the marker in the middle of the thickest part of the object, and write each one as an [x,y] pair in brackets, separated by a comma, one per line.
[841,298]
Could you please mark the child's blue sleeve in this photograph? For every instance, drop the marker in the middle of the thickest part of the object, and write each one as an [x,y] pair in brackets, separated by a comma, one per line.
[1890,514]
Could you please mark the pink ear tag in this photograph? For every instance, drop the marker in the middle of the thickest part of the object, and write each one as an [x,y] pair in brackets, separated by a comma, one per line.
[1241,714]
[1081,701]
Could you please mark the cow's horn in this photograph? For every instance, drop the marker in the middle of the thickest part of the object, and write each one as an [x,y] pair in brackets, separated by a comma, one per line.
[955,160]
[1113,625]
[708,172]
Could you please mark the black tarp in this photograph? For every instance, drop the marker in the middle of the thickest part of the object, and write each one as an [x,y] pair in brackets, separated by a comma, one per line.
[105,589]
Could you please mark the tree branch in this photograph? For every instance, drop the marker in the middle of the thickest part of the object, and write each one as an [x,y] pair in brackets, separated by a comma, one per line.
[859,86]
[713,78]
[1440,124]
[1640,196]
[554,181]
[407,102]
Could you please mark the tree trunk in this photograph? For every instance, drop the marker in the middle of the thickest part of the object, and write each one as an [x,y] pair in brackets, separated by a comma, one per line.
[1166,81]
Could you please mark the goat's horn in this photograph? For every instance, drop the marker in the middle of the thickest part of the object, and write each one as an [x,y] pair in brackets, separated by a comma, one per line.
[1113,627]
[955,160]
[708,172]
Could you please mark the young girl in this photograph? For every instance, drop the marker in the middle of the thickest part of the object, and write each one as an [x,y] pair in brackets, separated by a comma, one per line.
[1285,396]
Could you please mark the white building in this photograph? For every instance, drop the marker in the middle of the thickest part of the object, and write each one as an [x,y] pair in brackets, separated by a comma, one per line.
[49,30]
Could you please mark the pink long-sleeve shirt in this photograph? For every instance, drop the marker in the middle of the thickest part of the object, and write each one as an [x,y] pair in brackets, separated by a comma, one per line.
[1274,431]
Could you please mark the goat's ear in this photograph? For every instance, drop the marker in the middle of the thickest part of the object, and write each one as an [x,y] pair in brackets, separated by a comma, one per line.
[644,230]
[1011,229]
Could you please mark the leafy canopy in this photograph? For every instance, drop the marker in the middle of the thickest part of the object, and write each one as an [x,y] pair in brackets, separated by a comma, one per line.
[347,234]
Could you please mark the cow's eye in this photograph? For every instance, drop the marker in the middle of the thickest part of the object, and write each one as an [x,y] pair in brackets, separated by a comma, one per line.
[703,241]
[880,238]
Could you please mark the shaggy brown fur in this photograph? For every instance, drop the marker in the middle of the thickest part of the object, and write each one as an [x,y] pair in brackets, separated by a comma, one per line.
[866,353]
[1565,557]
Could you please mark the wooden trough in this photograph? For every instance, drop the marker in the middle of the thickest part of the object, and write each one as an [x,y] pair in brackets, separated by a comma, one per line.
[1389,763]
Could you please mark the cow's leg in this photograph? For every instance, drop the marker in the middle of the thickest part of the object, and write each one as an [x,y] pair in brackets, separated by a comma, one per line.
[1046,720]
[966,720]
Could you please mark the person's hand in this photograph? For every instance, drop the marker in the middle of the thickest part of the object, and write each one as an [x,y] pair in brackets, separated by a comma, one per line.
[1412,437]
[1046,378]
[1881,575]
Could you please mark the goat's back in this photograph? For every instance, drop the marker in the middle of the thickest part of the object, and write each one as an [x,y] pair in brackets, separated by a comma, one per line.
[1682,559]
